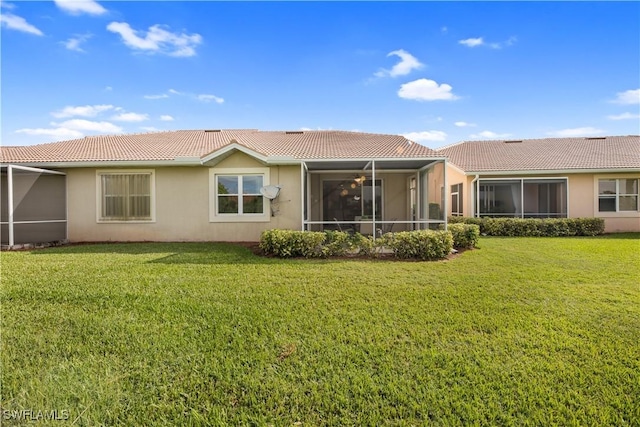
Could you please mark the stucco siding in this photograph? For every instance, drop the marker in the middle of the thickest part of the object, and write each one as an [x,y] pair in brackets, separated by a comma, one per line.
[582,197]
[182,196]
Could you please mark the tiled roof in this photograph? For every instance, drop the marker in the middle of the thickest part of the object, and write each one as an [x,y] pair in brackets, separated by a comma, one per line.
[198,143]
[611,152]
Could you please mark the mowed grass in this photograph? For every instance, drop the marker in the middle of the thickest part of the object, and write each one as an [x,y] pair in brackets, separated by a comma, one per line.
[523,331]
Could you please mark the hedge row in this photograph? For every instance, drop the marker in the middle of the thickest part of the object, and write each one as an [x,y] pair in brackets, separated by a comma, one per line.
[465,236]
[421,244]
[532,227]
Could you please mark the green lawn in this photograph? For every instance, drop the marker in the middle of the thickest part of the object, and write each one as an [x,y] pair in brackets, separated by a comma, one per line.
[523,331]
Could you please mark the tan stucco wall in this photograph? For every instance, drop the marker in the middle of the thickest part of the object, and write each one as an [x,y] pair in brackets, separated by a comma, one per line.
[182,197]
[454,177]
[582,197]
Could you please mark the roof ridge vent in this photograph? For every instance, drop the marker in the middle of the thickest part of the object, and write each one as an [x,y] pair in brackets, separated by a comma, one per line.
[213,130]
[294,132]
[596,138]
[513,141]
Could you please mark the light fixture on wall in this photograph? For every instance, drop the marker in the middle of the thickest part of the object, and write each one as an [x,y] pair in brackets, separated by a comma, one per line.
[360,179]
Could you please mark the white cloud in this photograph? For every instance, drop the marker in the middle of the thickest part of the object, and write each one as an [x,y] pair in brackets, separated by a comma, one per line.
[157,40]
[444,30]
[82,111]
[88,125]
[464,124]
[161,96]
[427,135]
[55,133]
[407,64]
[204,97]
[71,129]
[473,42]
[624,116]
[78,7]
[74,42]
[583,131]
[426,90]
[628,97]
[479,41]
[5,5]
[108,89]
[18,23]
[166,118]
[489,134]
[130,117]
[149,128]
[208,98]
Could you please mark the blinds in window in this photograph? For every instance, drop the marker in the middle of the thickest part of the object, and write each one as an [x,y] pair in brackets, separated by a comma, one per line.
[126,197]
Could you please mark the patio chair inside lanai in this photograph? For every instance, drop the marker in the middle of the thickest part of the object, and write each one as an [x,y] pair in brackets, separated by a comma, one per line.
[374,196]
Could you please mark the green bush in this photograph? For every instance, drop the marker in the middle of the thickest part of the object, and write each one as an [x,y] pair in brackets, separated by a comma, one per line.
[531,227]
[337,243]
[366,246]
[290,243]
[420,244]
[465,236]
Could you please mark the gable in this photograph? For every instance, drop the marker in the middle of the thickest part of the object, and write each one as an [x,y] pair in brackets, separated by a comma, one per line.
[236,159]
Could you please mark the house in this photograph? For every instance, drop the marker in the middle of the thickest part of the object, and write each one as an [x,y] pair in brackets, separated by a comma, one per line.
[218,185]
[547,178]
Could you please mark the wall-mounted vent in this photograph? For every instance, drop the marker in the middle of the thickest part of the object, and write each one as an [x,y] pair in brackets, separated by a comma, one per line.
[513,141]
[596,138]
[294,132]
[213,130]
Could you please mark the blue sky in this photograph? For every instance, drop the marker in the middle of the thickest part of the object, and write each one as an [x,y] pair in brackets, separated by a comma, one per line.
[437,72]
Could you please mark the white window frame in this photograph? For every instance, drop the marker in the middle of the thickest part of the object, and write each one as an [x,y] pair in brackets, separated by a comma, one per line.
[617,213]
[490,196]
[100,196]
[214,216]
[460,210]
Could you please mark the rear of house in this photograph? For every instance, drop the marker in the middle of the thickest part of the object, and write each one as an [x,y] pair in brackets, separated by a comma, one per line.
[229,185]
[548,178]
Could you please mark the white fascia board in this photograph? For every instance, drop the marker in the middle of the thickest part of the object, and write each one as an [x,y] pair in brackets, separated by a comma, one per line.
[109,164]
[552,171]
[377,159]
[275,160]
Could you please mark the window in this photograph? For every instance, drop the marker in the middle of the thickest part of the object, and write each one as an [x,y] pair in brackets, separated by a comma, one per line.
[523,197]
[125,196]
[456,200]
[239,194]
[617,195]
[234,195]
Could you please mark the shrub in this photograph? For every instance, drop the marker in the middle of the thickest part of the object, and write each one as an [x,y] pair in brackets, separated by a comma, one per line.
[290,243]
[529,227]
[366,246]
[589,226]
[337,243]
[465,235]
[420,244]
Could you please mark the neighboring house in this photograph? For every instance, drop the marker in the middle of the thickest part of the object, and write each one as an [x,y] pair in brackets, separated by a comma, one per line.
[547,178]
[210,185]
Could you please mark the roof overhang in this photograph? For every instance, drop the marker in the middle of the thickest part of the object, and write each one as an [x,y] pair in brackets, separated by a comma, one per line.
[367,164]
[219,155]
[552,171]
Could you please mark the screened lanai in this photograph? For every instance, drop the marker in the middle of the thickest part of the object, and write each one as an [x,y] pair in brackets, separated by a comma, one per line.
[374,196]
[34,205]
